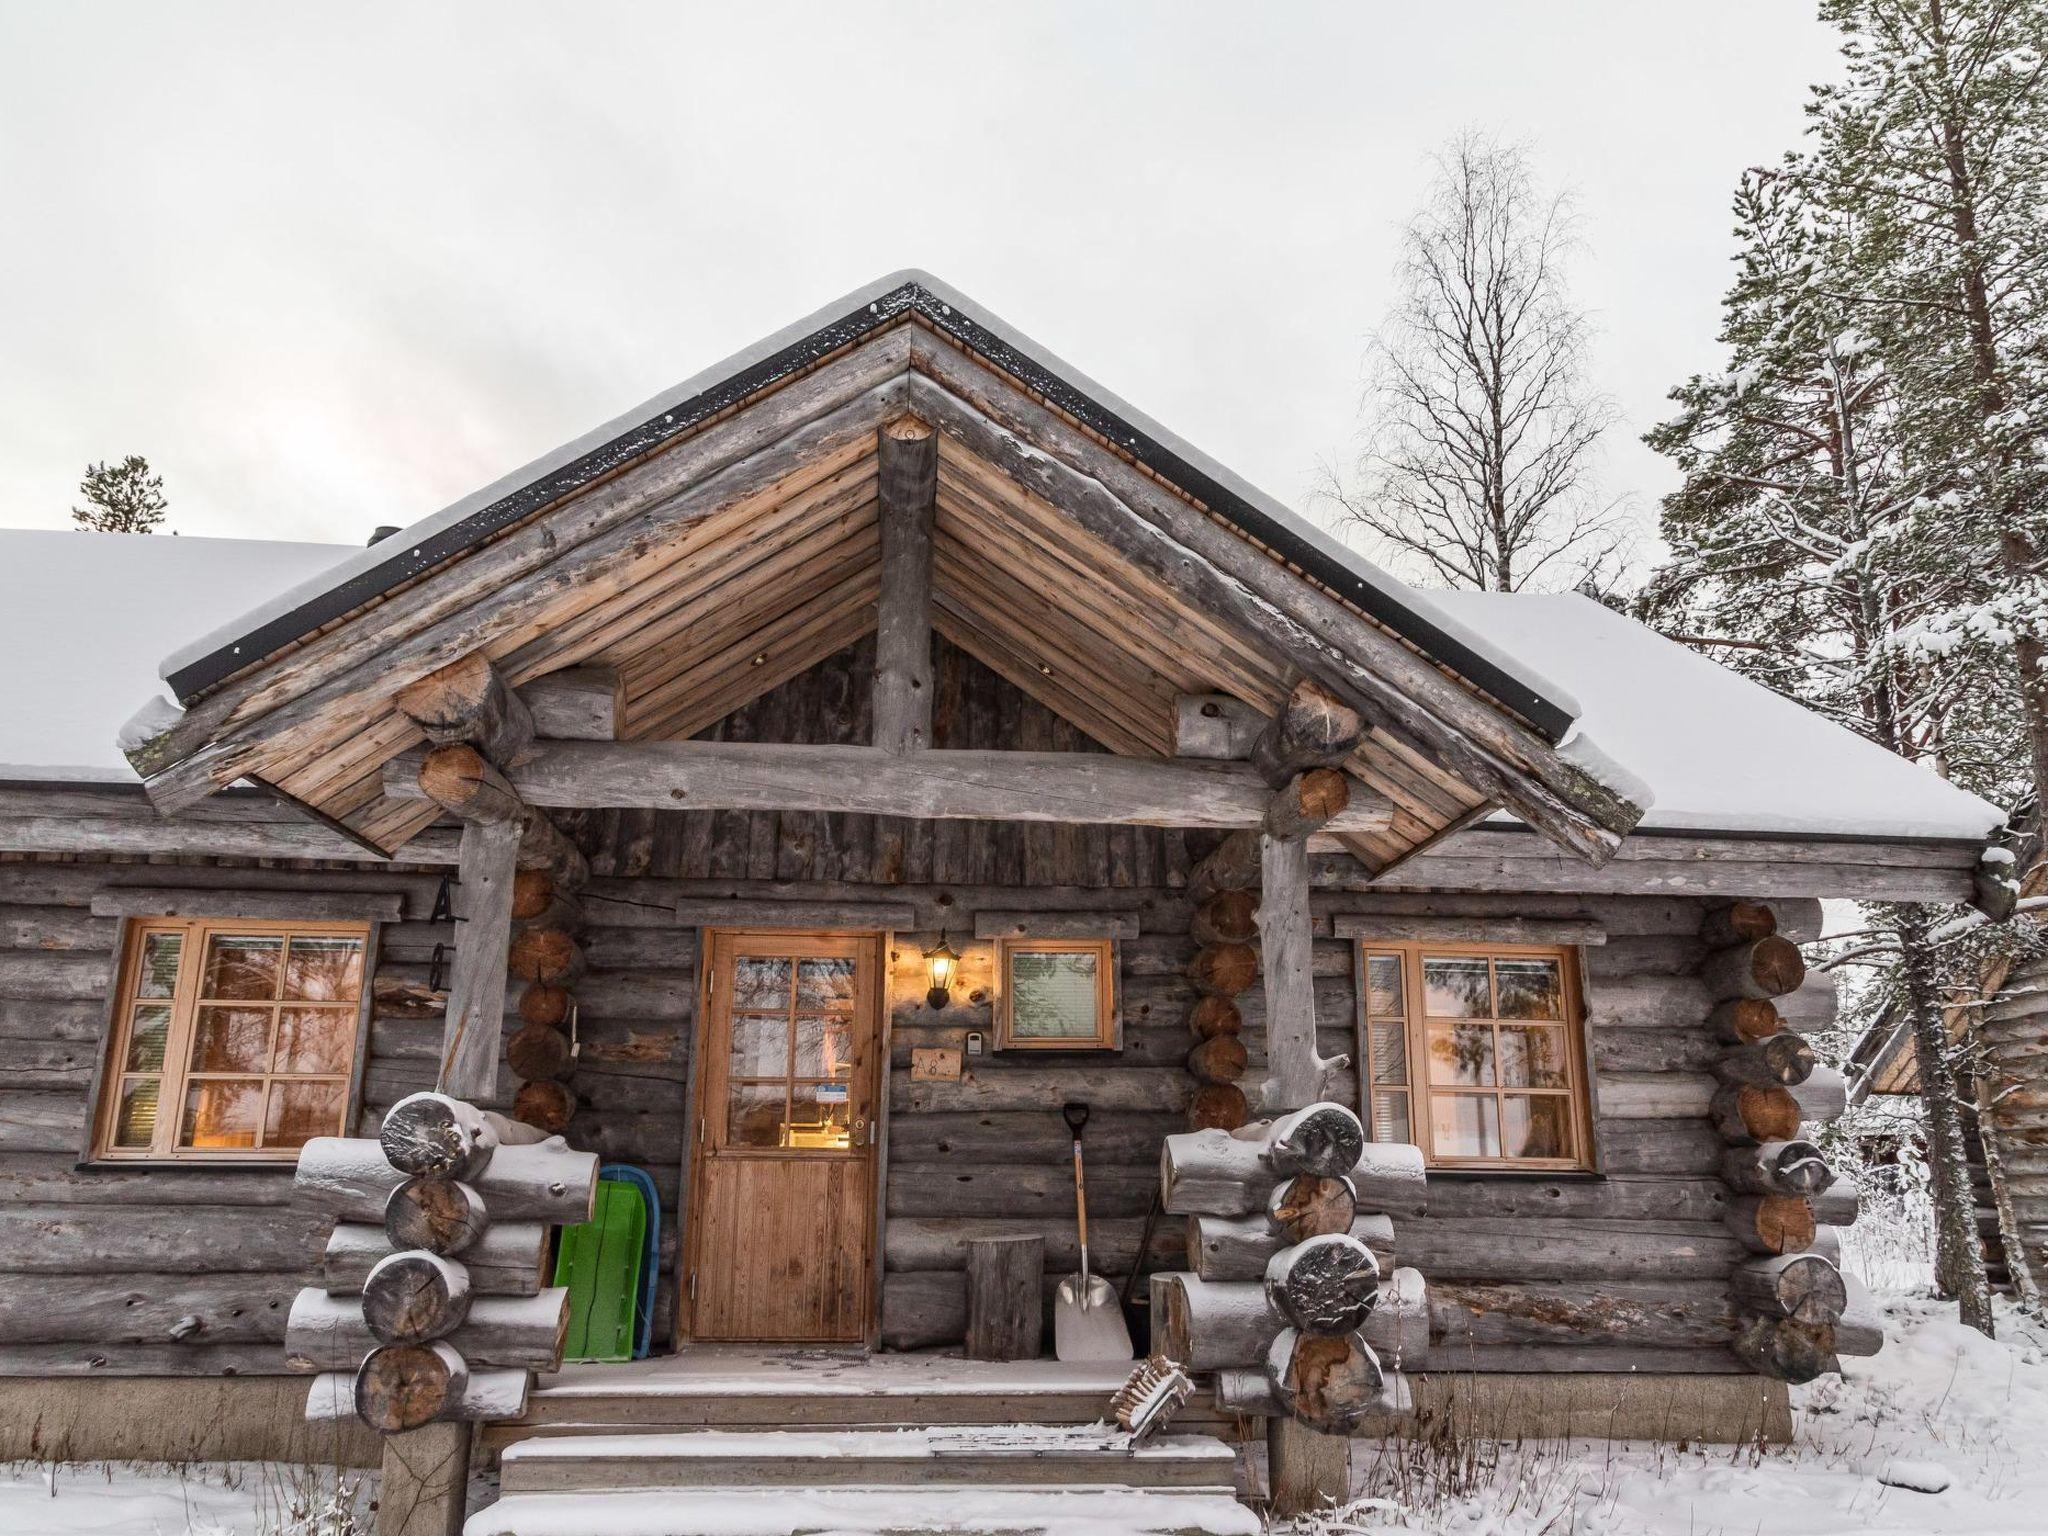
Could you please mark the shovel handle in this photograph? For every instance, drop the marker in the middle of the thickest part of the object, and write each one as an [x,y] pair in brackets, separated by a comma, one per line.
[1081,1208]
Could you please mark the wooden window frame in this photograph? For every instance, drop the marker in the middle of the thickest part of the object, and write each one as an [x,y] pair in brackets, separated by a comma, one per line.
[1415,1034]
[1108,1034]
[177,1070]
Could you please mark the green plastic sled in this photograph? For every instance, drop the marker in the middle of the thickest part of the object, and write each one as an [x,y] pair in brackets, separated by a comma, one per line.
[599,1261]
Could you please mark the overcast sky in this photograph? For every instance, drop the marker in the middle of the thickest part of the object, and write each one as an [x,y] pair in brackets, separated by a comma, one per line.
[334,266]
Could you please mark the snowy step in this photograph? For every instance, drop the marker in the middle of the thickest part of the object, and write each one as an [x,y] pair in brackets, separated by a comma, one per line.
[942,1511]
[1021,1455]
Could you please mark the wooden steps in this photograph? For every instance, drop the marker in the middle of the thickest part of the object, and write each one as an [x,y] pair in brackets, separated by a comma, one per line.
[1017,1455]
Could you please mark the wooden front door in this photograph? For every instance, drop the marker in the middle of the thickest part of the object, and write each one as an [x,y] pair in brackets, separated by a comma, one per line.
[781,1236]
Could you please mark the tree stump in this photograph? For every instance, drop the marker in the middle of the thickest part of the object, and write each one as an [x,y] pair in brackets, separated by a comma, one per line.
[1005,1298]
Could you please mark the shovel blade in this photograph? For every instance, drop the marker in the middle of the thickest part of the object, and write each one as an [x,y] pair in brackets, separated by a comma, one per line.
[1087,1323]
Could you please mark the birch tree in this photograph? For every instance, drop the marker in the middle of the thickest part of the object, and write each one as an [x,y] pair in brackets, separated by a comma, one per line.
[1482,434]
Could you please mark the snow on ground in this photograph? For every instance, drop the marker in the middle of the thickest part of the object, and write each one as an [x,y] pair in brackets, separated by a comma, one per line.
[1941,1407]
[204,1499]
[1940,1401]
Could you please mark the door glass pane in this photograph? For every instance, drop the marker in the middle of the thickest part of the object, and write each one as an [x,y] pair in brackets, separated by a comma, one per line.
[135,1121]
[822,984]
[822,1048]
[1532,1058]
[753,1114]
[1455,989]
[1536,1126]
[1464,1125]
[1529,989]
[760,983]
[231,1040]
[1389,1116]
[1383,986]
[221,1114]
[818,1116]
[314,1039]
[301,1111]
[760,1047]
[1461,1053]
[324,970]
[159,971]
[146,1033]
[1053,994]
[243,967]
[1389,1046]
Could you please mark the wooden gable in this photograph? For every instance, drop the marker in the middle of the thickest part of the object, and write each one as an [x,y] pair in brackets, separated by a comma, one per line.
[735,554]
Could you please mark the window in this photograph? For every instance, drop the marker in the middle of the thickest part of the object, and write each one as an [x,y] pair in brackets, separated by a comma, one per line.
[1474,1054]
[231,1040]
[1056,995]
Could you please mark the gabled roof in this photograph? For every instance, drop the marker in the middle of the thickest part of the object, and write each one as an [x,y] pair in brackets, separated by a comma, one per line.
[202,664]
[723,538]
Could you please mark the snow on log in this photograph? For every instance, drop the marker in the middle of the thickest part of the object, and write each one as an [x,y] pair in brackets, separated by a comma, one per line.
[348,1178]
[488,1396]
[1783,1059]
[1326,1285]
[1208,1325]
[1859,1332]
[1222,1173]
[1777,1168]
[1238,1248]
[506,1262]
[328,1333]
[1786,1351]
[431,1133]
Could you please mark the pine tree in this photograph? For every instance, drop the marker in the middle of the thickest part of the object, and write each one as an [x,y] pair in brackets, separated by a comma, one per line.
[121,498]
[1810,546]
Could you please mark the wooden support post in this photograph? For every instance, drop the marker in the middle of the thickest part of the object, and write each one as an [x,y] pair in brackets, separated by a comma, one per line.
[425,1482]
[1296,1074]
[1308,1470]
[906,495]
[476,990]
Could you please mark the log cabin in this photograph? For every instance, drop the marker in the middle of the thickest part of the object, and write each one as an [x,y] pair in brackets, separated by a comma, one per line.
[804,787]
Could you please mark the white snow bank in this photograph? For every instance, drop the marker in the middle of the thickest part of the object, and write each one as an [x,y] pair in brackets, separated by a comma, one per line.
[88,615]
[1939,1401]
[203,1499]
[1718,752]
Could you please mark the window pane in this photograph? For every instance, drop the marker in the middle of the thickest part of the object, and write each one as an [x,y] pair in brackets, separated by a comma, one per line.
[1536,1127]
[324,970]
[135,1121]
[159,971]
[818,1116]
[759,983]
[314,1040]
[146,1034]
[760,1047]
[221,1114]
[1455,989]
[1529,989]
[1053,994]
[1461,1053]
[1383,987]
[753,1114]
[822,1048]
[1532,1058]
[1389,1046]
[243,967]
[231,1040]
[824,984]
[301,1111]
[1389,1116]
[1463,1125]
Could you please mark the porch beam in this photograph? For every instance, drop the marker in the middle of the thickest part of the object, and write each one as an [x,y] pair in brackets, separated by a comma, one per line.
[577,703]
[907,480]
[1088,787]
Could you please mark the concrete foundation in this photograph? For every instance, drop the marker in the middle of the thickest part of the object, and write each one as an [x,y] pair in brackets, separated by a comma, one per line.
[163,1418]
[1714,1409]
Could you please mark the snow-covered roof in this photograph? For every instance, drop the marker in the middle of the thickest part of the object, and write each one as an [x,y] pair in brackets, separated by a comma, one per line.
[89,615]
[1718,752]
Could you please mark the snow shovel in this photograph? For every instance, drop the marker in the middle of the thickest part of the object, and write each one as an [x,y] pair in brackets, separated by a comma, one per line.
[1087,1323]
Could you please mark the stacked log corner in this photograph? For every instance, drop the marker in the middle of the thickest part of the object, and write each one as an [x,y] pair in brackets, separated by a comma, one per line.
[546,955]
[431,1309]
[1290,1295]
[1790,1296]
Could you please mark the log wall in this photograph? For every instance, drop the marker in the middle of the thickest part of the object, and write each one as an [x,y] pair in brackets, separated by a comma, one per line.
[105,1272]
